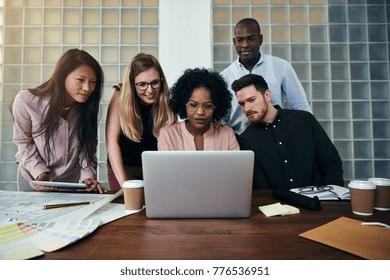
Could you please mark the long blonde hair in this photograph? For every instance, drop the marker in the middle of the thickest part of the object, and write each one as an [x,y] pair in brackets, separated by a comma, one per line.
[129,109]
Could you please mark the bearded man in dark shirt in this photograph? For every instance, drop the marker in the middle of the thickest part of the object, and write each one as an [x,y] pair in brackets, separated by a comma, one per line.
[291,148]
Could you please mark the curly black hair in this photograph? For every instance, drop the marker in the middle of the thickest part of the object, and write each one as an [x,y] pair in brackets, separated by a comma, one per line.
[195,78]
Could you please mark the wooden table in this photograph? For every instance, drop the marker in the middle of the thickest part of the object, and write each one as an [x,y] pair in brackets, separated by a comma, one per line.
[258,237]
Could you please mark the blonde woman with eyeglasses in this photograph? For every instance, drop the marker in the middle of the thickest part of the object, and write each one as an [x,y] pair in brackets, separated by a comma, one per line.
[137,111]
[201,98]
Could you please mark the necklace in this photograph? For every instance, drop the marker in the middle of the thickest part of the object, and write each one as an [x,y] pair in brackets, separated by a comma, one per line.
[67,108]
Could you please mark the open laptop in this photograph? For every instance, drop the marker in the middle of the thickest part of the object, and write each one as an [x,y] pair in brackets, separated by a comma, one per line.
[198,184]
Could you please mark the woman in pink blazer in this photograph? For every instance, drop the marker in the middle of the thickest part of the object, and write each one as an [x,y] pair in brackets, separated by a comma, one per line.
[200,97]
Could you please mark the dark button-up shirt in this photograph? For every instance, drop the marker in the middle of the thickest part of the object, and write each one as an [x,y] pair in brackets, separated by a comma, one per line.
[293,151]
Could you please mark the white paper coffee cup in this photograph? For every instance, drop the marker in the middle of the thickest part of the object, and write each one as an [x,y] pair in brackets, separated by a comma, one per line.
[382,193]
[133,194]
[362,197]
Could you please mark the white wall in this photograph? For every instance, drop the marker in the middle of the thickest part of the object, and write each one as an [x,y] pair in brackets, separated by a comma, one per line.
[185,34]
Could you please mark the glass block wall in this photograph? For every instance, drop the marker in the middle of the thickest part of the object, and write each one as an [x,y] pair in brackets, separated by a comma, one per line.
[35,33]
[340,51]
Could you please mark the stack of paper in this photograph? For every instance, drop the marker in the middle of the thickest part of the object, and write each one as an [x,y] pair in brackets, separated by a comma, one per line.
[27,230]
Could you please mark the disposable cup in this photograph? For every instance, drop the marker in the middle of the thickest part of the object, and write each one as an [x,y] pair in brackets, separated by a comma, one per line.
[382,193]
[133,193]
[362,197]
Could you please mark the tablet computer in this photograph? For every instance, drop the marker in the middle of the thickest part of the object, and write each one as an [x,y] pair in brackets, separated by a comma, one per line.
[61,185]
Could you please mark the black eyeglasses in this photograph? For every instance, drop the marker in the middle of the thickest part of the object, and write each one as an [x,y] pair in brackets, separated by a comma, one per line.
[194,106]
[315,189]
[142,86]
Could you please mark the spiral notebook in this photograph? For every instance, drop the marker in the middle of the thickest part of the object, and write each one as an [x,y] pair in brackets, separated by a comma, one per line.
[328,192]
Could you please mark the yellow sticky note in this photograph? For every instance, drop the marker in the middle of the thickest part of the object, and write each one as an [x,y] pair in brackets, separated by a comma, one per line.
[278,209]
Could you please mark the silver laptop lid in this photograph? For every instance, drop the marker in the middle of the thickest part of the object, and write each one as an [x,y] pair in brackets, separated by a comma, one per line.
[198,184]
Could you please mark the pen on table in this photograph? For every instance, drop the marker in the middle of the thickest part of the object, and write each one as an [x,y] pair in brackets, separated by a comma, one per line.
[52,206]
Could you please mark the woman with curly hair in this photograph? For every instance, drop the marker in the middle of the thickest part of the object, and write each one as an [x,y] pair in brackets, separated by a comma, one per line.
[138,109]
[200,97]
[56,124]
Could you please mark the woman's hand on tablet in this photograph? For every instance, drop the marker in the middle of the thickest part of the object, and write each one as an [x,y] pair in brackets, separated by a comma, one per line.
[45,176]
[94,185]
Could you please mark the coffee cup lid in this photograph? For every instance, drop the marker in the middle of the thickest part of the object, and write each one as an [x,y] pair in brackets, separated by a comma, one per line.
[133,184]
[360,184]
[380,181]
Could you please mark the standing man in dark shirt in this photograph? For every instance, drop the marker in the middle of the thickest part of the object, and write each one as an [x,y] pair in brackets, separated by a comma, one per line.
[291,148]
